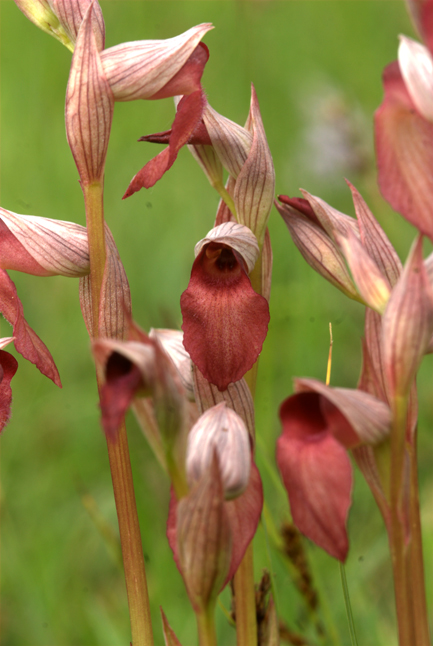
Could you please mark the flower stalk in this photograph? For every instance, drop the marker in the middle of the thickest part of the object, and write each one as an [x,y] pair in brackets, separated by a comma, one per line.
[118,451]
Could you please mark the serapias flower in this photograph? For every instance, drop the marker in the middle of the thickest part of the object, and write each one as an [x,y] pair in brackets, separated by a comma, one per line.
[319,425]
[328,239]
[225,321]
[42,247]
[242,515]
[215,142]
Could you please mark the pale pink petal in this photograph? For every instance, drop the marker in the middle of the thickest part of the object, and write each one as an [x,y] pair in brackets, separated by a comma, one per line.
[404,145]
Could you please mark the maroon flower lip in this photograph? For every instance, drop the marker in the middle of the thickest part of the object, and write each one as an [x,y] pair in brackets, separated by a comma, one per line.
[225,321]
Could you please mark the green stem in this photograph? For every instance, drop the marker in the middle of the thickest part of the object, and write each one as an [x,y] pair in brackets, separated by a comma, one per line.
[206,626]
[226,197]
[415,557]
[403,602]
[245,599]
[130,540]
[118,452]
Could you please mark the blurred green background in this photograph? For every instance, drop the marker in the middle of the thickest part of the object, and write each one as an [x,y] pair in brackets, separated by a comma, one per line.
[317,70]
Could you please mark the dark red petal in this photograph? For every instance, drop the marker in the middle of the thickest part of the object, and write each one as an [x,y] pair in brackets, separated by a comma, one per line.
[26,340]
[404,145]
[188,116]
[13,254]
[149,174]
[316,472]
[188,78]
[302,205]
[157,137]
[8,367]
[244,515]
[225,322]
[123,379]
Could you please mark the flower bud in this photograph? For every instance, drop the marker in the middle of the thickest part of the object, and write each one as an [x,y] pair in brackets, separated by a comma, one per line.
[204,538]
[318,249]
[89,106]
[220,429]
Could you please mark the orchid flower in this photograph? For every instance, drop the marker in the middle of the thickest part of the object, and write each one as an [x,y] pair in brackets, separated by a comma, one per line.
[225,321]
[216,141]
[319,425]
[398,332]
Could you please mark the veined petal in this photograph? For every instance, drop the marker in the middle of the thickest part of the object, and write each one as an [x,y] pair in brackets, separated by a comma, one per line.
[236,236]
[231,142]
[301,205]
[318,249]
[407,324]
[237,396]
[26,341]
[71,13]
[220,429]
[255,184]
[371,283]
[89,106]
[416,66]
[115,302]
[140,69]
[43,247]
[316,472]
[204,538]
[244,515]
[375,240]
[352,416]
[404,144]
[225,321]
[331,220]
[8,367]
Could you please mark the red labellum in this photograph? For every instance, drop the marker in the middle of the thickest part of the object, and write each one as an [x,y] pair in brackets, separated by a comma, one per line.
[316,472]
[225,321]
[123,381]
